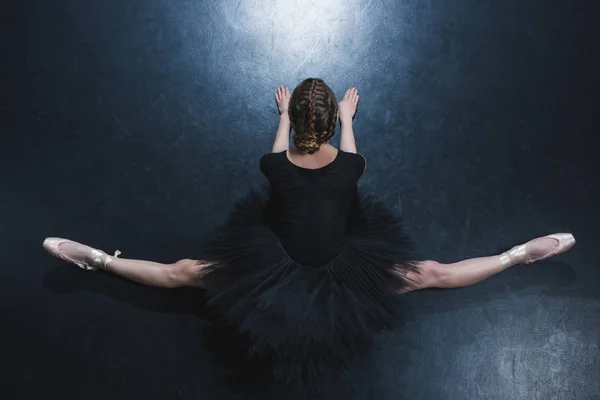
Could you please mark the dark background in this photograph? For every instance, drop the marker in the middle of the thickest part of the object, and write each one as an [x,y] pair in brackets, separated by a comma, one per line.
[135,124]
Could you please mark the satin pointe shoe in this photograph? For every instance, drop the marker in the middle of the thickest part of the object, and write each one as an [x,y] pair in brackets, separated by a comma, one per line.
[53,246]
[520,254]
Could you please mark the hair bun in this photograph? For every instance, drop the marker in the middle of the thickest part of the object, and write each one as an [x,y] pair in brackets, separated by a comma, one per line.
[307,145]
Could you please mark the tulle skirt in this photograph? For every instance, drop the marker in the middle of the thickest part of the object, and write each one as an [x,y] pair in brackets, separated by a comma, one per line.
[307,323]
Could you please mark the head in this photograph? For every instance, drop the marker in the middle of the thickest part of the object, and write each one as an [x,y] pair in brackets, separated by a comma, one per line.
[313,114]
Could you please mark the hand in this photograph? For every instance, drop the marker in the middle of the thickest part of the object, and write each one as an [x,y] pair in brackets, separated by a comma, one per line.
[348,105]
[283,99]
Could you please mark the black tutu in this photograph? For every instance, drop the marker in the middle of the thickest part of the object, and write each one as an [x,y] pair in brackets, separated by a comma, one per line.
[307,323]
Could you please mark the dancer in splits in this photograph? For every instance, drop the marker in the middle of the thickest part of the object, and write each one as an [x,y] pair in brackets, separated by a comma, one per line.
[309,268]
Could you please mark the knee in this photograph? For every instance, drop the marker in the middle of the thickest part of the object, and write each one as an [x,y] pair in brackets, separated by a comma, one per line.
[184,272]
[433,274]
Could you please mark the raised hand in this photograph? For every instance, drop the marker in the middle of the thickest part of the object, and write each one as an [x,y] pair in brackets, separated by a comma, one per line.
[282,137]
[348,105]
[282,97]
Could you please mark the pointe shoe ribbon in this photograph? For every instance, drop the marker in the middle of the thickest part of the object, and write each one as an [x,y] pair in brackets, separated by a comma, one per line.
[53,246]
[520,255]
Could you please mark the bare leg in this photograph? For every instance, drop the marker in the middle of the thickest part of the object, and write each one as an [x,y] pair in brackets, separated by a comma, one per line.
[182,273]
[459,274]
[432,274]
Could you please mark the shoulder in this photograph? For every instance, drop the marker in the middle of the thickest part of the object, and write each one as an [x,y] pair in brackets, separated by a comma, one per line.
[354,158]
[269,160]
[273,157]
[355,161]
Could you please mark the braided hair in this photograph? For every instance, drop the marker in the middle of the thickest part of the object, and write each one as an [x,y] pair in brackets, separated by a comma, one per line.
[313,113]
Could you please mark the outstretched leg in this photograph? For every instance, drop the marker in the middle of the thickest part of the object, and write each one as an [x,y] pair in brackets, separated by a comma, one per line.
[182,273]
[432,274]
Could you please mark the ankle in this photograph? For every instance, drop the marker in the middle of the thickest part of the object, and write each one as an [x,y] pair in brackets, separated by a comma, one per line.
[505,261]
[107,260]
[516,255]
[96,258]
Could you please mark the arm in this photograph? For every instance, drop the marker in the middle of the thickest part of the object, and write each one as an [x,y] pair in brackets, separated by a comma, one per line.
[347,143]
[282,137]
[347,109]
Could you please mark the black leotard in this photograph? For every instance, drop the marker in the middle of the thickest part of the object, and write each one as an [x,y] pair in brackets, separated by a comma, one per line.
[311,206]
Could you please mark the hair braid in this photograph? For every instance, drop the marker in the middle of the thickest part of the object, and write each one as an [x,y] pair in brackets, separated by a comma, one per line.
[311,132]
[313,113]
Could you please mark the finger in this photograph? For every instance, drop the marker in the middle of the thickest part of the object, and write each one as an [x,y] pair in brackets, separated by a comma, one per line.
[347,94]
[287,91]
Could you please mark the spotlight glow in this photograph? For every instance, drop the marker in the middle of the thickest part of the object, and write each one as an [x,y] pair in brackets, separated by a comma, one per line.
[293,33]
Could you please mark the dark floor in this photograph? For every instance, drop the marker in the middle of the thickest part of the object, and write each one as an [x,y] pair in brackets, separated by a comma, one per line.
[134,125]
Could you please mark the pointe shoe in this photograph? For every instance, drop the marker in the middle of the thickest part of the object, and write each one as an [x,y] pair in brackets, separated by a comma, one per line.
[520,255]
[53,246]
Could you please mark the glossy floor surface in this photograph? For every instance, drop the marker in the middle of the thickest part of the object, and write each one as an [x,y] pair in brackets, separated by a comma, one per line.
[135,124]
